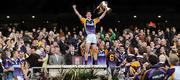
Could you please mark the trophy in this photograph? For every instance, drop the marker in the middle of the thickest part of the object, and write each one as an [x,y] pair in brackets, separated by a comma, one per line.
[102,7]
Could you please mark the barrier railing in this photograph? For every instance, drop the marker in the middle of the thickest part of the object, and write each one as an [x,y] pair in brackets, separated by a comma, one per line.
[72,66]
[69,67]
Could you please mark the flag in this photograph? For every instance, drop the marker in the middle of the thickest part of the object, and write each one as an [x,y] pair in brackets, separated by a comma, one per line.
[151,24]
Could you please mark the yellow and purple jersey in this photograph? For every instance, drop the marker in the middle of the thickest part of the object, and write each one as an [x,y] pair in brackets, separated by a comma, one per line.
[156,72]
[89,61]
[170,73]
[101,58]
[90,25]
[111,60]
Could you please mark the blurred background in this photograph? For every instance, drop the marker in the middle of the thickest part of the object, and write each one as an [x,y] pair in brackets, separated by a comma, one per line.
[59,13]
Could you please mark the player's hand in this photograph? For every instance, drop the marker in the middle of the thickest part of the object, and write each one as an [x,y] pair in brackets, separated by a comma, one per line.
[74,6]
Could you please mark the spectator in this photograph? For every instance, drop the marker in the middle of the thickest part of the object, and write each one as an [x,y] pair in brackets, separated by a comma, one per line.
[17,66]
[56,58]
[8,32]
[62,45]
[168,36]
[173,71]
[140,52]
[142,35]
[34,33]
[72,40]
[110,36]
[26,38]
[162,61]
[155,72]
[34,59]
[1,66]
[8,68]
[68,57]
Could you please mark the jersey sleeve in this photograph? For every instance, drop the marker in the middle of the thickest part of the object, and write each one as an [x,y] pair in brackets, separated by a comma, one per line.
[83,20]
[96,20]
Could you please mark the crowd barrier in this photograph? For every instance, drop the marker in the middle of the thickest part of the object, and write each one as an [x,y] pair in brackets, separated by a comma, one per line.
[54,69]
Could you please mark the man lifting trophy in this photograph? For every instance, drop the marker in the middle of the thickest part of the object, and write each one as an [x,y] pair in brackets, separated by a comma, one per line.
[90,29]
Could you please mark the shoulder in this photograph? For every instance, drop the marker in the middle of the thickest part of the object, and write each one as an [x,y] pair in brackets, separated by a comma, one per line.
[83,19]
[146,73]
[96,19]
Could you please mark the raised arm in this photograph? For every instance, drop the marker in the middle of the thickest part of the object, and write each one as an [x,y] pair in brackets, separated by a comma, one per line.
[75,10]
[102,15]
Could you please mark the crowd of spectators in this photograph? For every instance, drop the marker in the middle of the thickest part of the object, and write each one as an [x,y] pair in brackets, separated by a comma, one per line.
[146,54]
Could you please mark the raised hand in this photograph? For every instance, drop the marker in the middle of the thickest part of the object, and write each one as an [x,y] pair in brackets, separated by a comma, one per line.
[74,6]
[75,10]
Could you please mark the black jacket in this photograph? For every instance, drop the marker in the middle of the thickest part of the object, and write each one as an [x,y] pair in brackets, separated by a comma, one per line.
[68,58]
[63,47]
